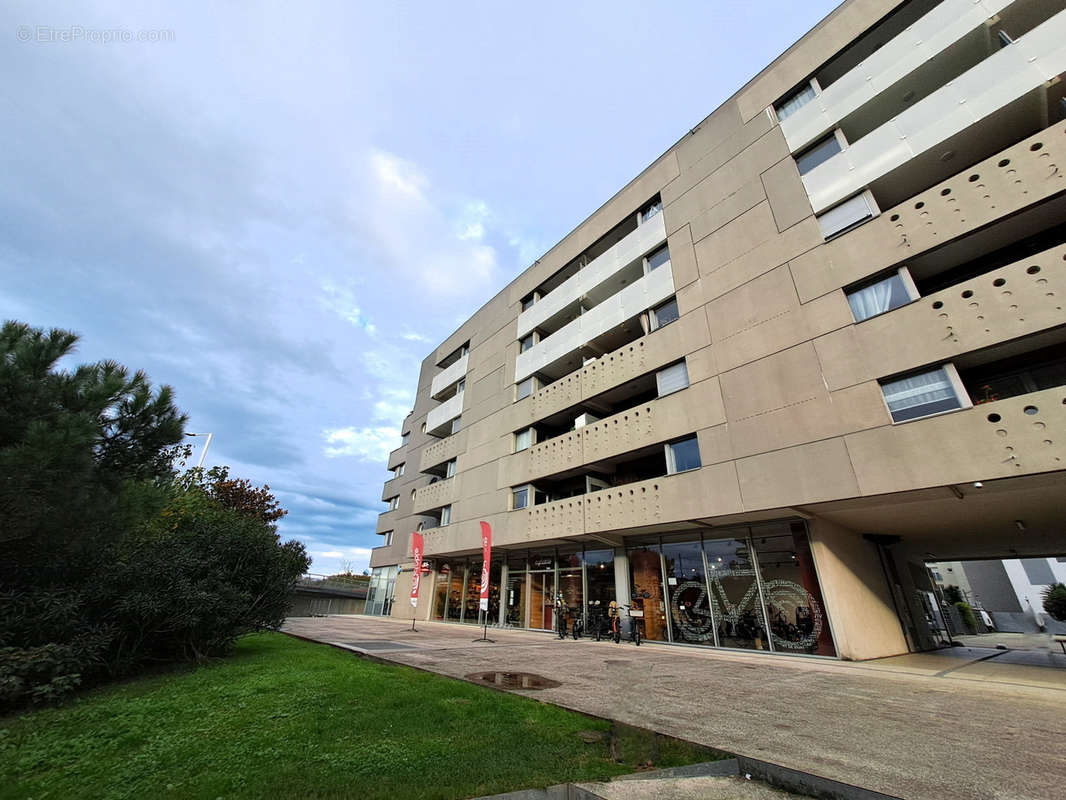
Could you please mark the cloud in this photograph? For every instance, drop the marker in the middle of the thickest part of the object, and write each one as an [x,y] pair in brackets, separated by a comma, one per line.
[366,444]
[341,301]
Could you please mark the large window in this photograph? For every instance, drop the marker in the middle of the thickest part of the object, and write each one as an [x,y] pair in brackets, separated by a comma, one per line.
[879,297]
[671,379]
[842,217]
[394,503]
[398,470]
[921,394]
[658,258]
[446,515]
[794,102]
[650,211]
[818,153]
[520,498]
[449,469]
[457,424]
[664,314]
[683,456]
[526,343]
[524,389]
[734,594]
[523,439]
[388,539]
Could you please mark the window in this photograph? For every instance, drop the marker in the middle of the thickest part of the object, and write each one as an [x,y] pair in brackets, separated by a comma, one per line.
[388,539]
[786,108]
[683,456]
[394,502]
[421,527]
[920,395]
[520,498]
[446,515]
[877,298]
[650,211]
[449,469]
[464,350]
[526,343]
[423,427]
[398,471]
[523,389]
[457,424]
[523,439]
[843,217]
[404,439]
[528,301]
[658,258]
[664,314]
[672,379]
[818,153]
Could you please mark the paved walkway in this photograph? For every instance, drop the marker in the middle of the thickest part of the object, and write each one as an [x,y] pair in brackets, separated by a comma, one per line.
[943,725]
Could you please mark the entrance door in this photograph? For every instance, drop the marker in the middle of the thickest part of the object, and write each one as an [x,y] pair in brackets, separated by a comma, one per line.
[515,601]
[542,600]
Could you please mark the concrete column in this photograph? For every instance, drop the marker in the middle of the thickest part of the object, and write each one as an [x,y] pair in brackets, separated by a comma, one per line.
[503,594]
[857,597]
[621,581]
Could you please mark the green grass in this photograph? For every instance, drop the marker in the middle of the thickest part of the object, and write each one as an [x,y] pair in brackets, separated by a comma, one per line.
[286,718]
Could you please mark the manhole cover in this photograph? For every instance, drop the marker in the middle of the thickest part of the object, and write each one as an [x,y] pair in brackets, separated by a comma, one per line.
[513,680]
[380,644]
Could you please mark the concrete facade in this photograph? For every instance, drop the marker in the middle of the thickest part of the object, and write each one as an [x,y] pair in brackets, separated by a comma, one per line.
[560,385]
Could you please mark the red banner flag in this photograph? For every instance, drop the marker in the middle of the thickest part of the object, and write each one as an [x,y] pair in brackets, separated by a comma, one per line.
[416,581]
[486,557]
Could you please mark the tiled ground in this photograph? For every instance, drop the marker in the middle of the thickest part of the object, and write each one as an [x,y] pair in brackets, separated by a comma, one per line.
[946,725]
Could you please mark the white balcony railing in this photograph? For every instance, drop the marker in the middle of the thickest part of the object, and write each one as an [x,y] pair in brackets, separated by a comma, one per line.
[449,377]
[639,296]
[619,256]
[444,413]
[929,36]
[999,80]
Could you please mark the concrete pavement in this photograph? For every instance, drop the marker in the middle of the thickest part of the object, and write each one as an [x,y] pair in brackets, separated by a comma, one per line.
[921,726]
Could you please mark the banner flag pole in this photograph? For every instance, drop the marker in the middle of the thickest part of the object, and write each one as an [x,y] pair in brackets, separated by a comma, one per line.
[486,558]
[416,580]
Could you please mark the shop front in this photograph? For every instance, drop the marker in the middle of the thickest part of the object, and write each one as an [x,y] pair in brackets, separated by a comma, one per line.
[749,588]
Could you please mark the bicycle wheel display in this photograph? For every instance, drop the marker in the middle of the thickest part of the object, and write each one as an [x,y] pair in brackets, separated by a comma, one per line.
[795,616]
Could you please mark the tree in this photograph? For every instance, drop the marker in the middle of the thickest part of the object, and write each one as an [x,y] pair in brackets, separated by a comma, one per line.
[953,595]
[1055,601]
[237,494]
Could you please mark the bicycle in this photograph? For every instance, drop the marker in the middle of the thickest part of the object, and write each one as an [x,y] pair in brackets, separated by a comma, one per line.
[616,622]
[597,624]
[744,617]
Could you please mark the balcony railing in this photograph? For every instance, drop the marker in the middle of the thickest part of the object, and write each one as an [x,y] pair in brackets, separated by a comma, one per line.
[646,237]
[449,377]
[439,419]
[433,496]
[919,44]
[639,296]
[992,85]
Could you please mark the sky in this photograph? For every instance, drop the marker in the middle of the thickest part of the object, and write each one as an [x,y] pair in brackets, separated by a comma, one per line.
[279,209]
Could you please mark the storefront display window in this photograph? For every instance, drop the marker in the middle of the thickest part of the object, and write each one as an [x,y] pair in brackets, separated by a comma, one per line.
[794,605]
[690,606]
[455,592]
[734,594]
[648,601]
[599,578]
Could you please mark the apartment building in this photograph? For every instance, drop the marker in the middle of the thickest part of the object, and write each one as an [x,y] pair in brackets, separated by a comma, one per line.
[817,344]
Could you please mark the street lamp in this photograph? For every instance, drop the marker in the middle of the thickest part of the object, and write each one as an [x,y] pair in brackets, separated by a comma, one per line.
[207,444]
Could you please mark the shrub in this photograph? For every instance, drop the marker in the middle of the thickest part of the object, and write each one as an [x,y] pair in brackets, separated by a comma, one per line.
[967,616]
[953,594]
[1055,601]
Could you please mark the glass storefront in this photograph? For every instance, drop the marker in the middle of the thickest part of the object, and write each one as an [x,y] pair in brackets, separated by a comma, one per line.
[380,591]
[747,588]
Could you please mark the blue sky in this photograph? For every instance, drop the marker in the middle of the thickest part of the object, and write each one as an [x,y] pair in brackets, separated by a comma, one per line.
[281,208]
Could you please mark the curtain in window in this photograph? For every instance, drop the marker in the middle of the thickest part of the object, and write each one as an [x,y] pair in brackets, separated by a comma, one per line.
[672,379]
[872,300]
[796,102]
[844,215]
[917,395]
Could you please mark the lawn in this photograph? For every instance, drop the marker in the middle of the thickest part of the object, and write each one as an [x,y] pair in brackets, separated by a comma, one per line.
[287,718]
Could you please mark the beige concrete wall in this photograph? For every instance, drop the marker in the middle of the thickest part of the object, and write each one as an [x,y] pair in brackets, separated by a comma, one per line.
[784,392]
[857,596]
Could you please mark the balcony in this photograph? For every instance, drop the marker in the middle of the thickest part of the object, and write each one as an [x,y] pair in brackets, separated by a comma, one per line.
[439,420]
[605,318]
[387,521]
[446,449]
[435,495]
[565,297]
[1005,304]
[1017,436]
[924,45]
[1006,90]
[445,381]
[648,423]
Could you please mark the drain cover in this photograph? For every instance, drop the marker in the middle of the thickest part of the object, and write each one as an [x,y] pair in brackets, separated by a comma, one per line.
[380,644]
[513,680]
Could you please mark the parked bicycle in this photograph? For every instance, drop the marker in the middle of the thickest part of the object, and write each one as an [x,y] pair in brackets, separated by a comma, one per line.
[598,621]
[635,617]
